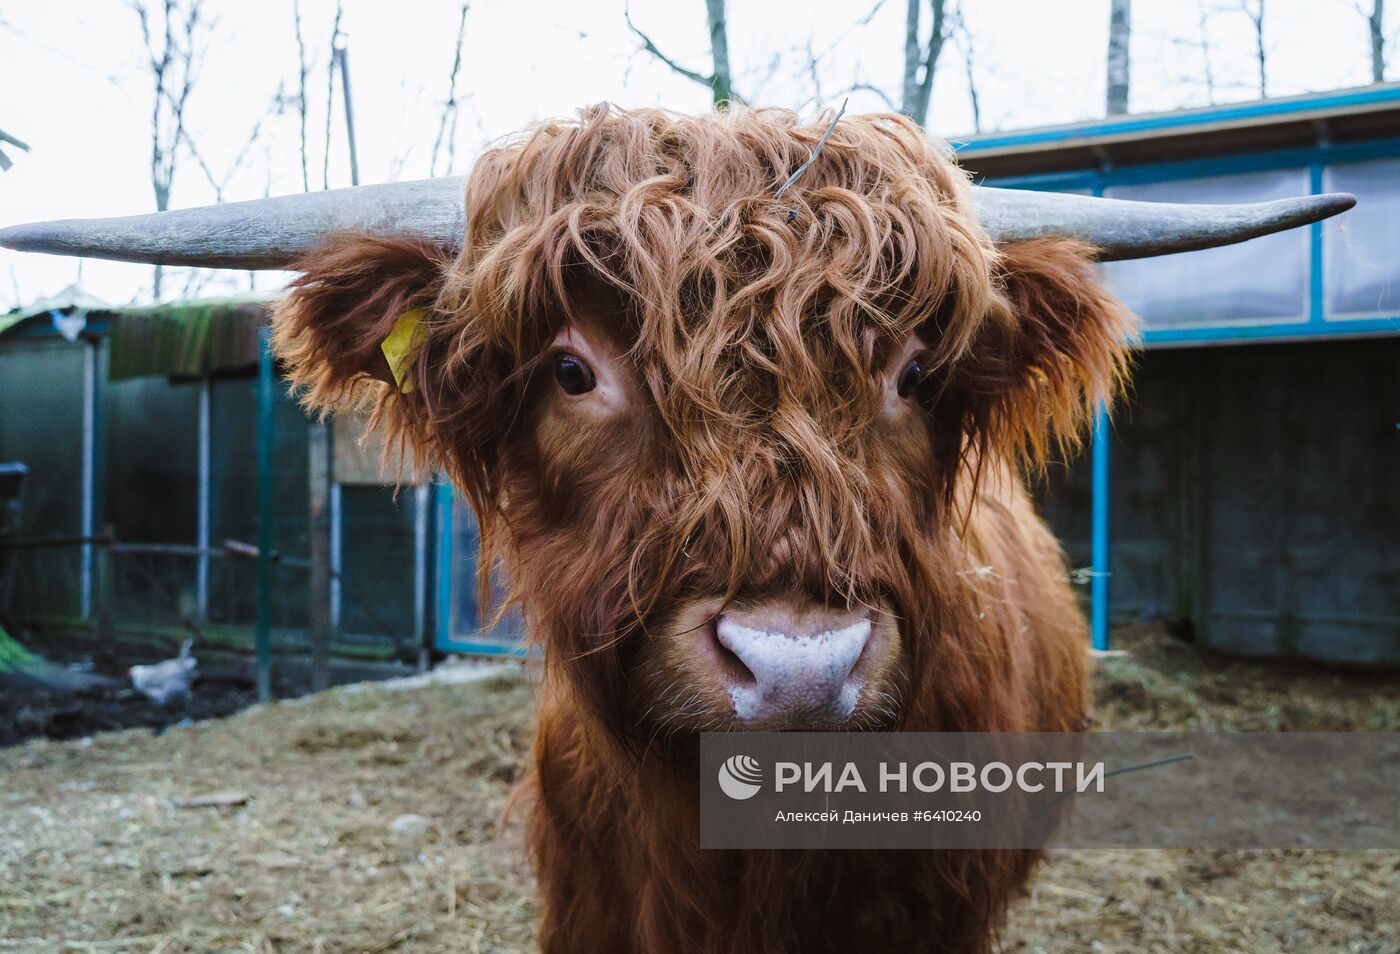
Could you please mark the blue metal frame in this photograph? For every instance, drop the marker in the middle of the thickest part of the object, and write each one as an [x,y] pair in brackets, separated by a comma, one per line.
[1185,119]
[1313,160]
[96,483]
[444,640]
[1102,511]
[267,447]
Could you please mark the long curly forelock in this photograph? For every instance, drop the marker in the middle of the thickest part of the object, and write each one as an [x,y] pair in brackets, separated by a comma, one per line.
[754,312]
[680,214]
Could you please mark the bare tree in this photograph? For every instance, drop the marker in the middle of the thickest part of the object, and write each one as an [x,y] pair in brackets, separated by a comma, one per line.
[1254,10]
[720,79]
[814,72]
[1375,24]
[220,182]
[447,122]
[1207,62]
[303,73]
[921,59]
[814,62]
[1120,27]
[174,48]
[330,96]
[962,37]
[342,56]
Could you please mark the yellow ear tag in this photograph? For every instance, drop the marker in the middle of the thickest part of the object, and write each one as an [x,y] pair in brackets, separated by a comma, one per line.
[403,340]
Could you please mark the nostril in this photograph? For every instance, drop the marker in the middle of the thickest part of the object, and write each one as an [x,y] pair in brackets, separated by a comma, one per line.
[864,651]
[733,669]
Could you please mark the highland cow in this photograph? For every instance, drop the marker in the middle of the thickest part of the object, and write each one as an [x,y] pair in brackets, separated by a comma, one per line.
[751,460]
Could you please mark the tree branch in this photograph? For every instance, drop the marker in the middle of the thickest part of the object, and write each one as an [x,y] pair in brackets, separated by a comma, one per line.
[651,48]
[721,81]
[935,47]
[1119,72]
[961,35]
[870,88]
[918,89]
[330,96]
[912,55]
[450,107]
[303,73]
[220,183]
[1255,14]
[173,56]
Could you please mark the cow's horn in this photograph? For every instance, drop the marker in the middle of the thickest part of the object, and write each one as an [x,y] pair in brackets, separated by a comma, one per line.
[273,233]
[1126,229]
[260,233]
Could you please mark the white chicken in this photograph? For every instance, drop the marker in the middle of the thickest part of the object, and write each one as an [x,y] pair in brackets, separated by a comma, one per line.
[167,680]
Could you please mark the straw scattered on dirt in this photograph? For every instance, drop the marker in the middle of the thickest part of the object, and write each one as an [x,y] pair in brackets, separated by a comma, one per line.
[371,821]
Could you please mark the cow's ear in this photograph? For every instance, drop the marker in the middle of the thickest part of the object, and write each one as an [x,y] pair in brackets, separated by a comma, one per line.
[352,295]
[1061,346]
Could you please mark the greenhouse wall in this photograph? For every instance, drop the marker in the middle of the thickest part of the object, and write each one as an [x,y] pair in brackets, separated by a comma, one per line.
[172,473]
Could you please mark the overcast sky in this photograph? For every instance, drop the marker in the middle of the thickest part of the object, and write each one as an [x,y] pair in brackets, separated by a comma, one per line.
[76,87]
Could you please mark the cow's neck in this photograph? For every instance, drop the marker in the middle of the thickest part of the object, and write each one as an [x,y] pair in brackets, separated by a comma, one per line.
[616,848]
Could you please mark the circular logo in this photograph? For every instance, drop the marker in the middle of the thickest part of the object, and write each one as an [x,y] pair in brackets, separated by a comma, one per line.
[740,777]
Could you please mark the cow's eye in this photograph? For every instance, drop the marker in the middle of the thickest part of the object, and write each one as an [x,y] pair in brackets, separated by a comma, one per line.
[573,375]
[909,379]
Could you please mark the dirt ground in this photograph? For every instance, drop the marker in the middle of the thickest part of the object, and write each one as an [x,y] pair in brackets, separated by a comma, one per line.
[29,708]
[101,850]
[104,699]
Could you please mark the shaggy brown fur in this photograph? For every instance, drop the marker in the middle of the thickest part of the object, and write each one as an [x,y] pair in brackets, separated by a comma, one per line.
[756,452]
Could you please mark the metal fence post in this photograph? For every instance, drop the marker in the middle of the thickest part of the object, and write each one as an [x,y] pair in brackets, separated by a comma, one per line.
[1098,614]
[266,449]
[318,453]
[204,476]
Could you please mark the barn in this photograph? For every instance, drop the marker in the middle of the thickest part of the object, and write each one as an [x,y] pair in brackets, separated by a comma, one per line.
[1246,494]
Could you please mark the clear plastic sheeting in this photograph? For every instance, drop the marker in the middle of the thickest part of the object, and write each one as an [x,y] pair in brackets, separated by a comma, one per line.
[234,505]
[1263,281]
[377,576]
[45,374]
[172,569]
[471,622]
[150,483]
[467,615]
[1360,268]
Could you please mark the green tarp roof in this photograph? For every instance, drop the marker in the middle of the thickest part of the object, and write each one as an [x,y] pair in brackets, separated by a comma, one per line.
[186,338]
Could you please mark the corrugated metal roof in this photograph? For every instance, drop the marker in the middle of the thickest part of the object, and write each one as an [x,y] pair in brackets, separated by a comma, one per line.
[1339,116]
[70,299]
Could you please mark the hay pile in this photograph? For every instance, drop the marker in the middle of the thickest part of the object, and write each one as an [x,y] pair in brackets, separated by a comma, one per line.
[369,821]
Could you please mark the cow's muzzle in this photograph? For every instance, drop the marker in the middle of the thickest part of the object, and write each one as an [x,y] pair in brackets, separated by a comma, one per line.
[798,667]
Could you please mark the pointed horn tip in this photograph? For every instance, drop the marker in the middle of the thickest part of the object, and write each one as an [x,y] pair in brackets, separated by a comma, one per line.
[1334,203]
[14,237]
[54,237]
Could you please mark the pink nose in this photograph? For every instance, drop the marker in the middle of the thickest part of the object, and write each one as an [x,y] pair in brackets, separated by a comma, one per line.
[792,669]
